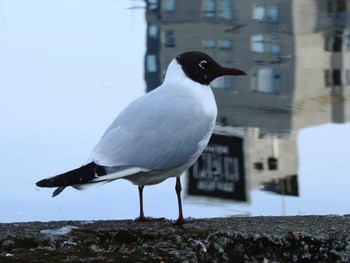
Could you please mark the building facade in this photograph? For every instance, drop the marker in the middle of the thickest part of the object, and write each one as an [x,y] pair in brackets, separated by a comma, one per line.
[296,54]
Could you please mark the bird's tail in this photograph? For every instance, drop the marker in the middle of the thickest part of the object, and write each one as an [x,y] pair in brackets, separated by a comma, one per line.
[81,176]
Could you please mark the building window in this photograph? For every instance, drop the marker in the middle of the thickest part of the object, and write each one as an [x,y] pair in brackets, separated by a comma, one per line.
[272,14]
[225,44]
[225,10]
[334,42]
[209,43]
[169,5]
[338,41]
[266,80]
[337,77]
[272,163]
[336,6]
[259,12]
[153,30]
[259,166]
[265,43]
[209,8]
[268,13]
[152,5]
[275,49]
[151,63]
[169,38]
[224,82]
[257,43]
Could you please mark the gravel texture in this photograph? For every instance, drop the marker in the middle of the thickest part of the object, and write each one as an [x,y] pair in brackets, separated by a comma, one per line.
[237,239]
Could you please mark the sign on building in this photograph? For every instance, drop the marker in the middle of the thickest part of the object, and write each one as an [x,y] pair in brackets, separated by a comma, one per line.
[219,172]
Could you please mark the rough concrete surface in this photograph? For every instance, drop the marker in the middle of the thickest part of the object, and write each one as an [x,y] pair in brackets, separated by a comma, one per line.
[237,239]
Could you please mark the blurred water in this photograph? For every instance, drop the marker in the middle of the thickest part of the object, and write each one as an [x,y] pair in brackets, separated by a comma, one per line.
[285,126]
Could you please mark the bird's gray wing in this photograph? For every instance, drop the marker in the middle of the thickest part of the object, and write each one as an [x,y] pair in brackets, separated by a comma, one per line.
[155,132]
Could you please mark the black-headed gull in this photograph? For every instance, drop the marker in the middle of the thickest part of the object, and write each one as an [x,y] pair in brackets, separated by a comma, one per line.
[159,135]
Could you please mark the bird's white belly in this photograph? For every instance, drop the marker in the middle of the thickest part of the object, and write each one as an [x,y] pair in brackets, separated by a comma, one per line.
[156,177]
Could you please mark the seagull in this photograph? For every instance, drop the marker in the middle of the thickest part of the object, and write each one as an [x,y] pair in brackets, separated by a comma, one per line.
[157,136]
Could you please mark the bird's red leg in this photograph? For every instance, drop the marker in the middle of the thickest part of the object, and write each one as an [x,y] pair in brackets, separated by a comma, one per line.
[142,217]
[178,189]
[180,220]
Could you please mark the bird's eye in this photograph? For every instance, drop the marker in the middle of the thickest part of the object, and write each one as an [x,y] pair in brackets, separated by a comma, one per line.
[203,64]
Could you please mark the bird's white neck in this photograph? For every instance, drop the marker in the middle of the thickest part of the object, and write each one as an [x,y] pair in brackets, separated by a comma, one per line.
[177,81]
[175,78]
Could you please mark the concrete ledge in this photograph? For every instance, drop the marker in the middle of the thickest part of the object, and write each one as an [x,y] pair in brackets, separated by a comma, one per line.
[237,239]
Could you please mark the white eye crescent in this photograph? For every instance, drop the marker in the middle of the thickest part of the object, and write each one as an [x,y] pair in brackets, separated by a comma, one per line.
[203,64]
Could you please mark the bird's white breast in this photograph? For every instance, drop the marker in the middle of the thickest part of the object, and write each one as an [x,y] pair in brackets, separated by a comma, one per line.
[177,82]
[204,110]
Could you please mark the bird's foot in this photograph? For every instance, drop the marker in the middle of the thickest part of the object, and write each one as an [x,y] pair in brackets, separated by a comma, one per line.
[149,219]
[181,221]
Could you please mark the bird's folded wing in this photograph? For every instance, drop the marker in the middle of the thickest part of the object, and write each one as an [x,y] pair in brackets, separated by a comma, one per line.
[157,136]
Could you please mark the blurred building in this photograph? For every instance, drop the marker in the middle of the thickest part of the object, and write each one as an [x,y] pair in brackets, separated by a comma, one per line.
[297,60]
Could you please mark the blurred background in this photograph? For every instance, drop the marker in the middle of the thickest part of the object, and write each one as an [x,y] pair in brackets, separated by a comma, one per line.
[282,139]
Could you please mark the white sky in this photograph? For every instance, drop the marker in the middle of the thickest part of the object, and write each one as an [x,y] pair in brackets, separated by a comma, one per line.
[67,68]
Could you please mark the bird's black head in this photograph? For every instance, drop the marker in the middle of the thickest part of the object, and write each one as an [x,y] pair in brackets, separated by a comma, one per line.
[202,68]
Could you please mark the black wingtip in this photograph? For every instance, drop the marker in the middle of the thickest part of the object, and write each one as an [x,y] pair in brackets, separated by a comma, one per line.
[82,175]
[42,183]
